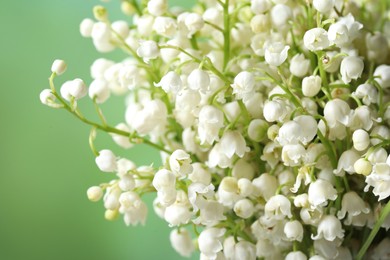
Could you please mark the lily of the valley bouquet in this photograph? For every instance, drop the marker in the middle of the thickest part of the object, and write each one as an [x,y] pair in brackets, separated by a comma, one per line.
[271,117]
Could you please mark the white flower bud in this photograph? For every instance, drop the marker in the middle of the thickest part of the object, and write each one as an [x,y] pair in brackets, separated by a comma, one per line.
[280,15]
[265,185]
[163,180]
[148,50]
[243,169]
[293,230]
[361,139]
[276,53]
[58,67]
[337,111]
[351,68]
[126,183]
[94,193]
[323,6]
[257,130]
[232,142]
[99,91]
[244,208]
[316,39]
[198,80]
[274,111]
[121,28]
[106,161]
[245,187]
[296,255]
[299,66]
[157,7]
[368,93]
[177,214]
[311,85]
[362,166]
[209,242]
[47,98]
[382,75]
[86,26]
[144,24]
[181,242]
[73,89]
[101,37]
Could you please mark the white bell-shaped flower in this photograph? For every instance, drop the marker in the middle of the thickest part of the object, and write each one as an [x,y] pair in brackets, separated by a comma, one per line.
[47,98]
[177,214]
[164,179]
[106,161]
[165,26]
[367,92]
[301,130]
[280,15]
[337,111]
[320,192]
[238,250]
[180,163]
[101,37]
[338,34]
[181,242]
[329,228]
[200,174]
[170,83]
[296,255]
[198,80]
[352,205]
[99,91]
[243,169]
[243,84]
[153,115]
[293,154]
[260,23]
[382,75]
[377,47]
[194,23]
[218,157]
[157,7]
[133,208]
[346,162]
[228,192]
[209,242]
[353,26]
[316,39]
[148,50]
[276,53]
[380,180]
[260,6]
[257,130]
[323,6]
[311,85]
[232,142]
[265,185]
[293,230]
[210,121]
[351,68]
[278,207]
[299,65]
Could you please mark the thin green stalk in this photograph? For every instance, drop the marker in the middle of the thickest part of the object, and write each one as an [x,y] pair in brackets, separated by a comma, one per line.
[226,34]
[385,212]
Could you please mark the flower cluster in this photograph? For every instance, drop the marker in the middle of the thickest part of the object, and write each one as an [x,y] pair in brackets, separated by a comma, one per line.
[272,118]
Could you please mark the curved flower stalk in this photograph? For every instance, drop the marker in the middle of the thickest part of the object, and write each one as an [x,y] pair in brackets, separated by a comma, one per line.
[272,119]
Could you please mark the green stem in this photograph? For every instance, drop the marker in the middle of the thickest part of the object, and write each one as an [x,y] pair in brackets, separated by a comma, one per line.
[226,34]
[385,212]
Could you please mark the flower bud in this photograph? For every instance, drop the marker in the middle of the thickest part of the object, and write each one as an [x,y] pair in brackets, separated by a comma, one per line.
[58,67]
[86,26]
[157,7]
[257,130]
[99,91]
[243,84]
[293,230]
[276,53]
[260,6]
[94,193]
[73,89]
[106,161]
[299,66]
[377,47]
[47,97]
[100,13]
[361,139]
[181,242]
[280,15]
[111,215]
[382,75]
[311,85]
[260,23]
[244,208]
[198,80]
[362,166]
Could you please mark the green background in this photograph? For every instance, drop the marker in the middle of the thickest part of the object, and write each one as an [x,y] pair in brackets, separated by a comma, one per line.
[46,164]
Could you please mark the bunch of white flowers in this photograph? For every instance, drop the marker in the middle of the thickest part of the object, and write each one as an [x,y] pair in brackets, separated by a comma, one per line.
[272,118]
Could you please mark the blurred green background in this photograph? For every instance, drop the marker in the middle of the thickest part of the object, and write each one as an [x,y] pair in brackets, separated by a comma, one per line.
[46,164]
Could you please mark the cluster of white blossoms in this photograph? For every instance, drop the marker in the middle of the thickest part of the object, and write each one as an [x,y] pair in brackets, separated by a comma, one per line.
[272,118]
